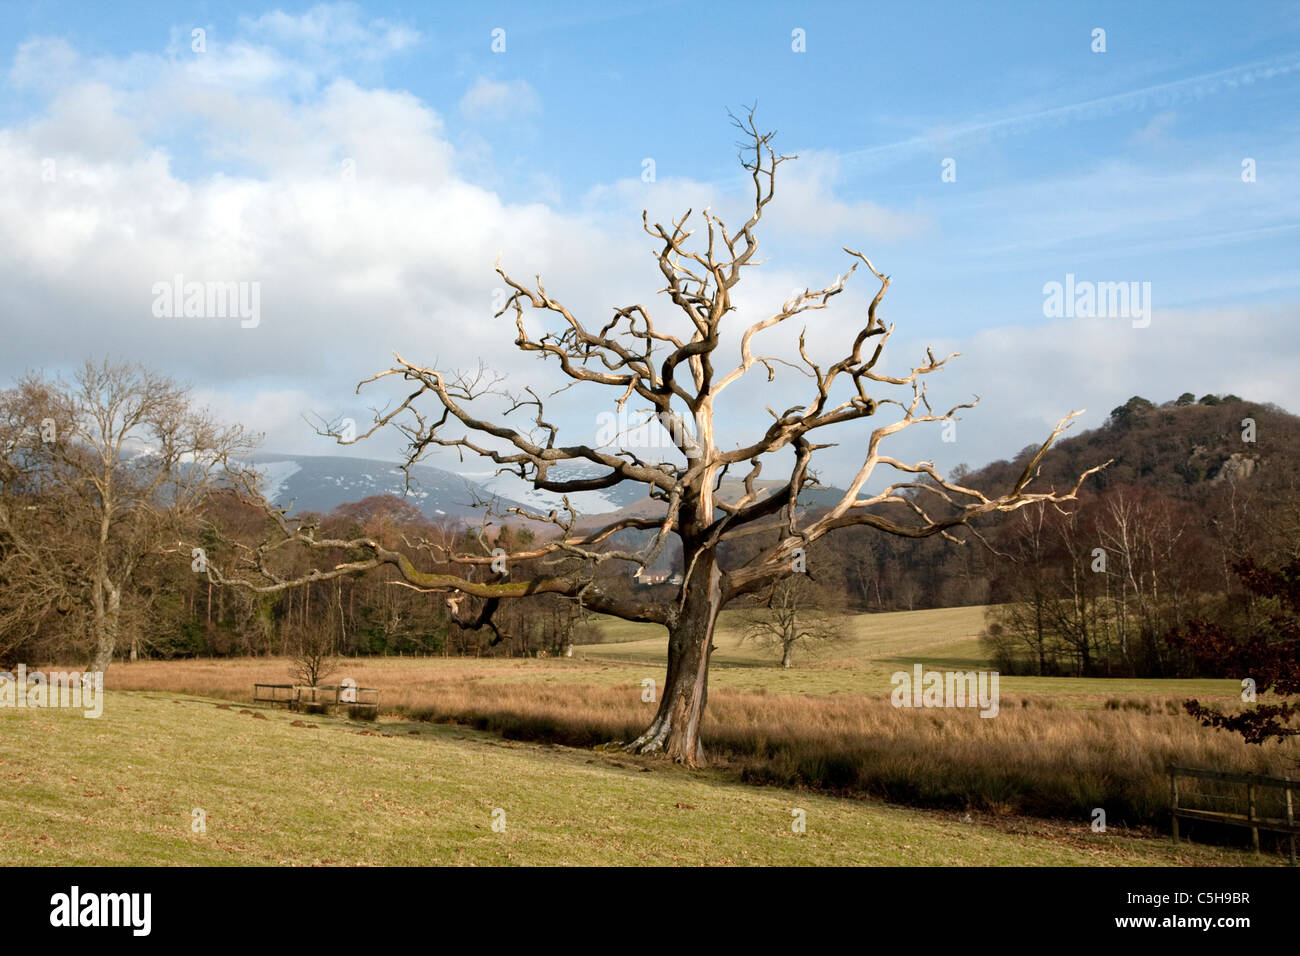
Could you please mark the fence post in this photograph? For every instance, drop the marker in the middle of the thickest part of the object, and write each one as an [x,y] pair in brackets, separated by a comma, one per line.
[1250,814]
[1173,799]
[1290,817]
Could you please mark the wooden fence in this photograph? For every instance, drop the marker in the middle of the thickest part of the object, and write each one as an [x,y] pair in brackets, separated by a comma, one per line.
[1252,818]
[275,694]
[298,696]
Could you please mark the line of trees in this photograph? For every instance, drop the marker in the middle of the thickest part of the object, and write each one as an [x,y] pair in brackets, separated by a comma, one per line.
[103,476]
[100,476]
[1102,590]
[116,489]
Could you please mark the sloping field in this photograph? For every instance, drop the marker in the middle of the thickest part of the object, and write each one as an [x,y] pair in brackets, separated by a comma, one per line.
[124,789]
[875,646]
[1058,748]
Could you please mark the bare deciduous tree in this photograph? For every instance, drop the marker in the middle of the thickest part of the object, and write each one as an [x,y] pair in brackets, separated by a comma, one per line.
[681,377]
[792,616]
[312,653]
[96,476]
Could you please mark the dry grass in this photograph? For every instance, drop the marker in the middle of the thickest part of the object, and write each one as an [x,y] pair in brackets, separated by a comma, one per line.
[121,791]
[1039,756]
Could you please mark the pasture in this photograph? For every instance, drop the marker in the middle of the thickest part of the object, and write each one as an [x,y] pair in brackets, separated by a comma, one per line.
[123,790]
[461,737]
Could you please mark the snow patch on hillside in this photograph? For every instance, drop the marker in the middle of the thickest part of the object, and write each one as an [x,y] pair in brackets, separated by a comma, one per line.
[517,489]
[274,475]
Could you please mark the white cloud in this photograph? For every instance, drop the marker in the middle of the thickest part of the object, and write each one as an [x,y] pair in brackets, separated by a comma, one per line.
[333,30]
[349,214]
[496,100]
[43,63]
[1029,377]
[86,120]
[1155,134]
[809,206]
[805,210]
[348,205]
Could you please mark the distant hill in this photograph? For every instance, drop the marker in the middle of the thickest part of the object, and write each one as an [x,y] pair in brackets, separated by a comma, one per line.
[1182,448]
[321,483]
[642,506]
[603,502]
[1190,451]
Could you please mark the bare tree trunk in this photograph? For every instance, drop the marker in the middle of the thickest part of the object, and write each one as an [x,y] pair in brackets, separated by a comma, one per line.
[108,614]
[675,730]
[787,645]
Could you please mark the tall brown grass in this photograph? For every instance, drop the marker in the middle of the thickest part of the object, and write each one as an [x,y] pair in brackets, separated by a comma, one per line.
[1033,758]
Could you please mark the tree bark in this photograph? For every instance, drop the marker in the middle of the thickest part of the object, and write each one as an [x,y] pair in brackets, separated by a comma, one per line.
[107,601]
[675,730]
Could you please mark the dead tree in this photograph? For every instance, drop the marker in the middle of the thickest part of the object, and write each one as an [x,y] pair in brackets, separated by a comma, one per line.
[681,378]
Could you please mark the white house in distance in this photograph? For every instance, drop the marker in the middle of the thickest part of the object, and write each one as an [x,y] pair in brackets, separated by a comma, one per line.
[648,579]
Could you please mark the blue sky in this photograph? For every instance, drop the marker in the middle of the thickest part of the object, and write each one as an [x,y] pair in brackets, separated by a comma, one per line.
[1115,166]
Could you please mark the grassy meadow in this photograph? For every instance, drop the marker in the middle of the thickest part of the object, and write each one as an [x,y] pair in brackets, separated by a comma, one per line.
[276,788]
[459,737]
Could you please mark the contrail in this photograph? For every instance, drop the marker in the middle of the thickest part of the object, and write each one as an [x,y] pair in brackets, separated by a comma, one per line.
[1161,95]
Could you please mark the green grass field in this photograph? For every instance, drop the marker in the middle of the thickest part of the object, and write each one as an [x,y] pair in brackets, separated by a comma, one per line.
[875,647]
[122,790]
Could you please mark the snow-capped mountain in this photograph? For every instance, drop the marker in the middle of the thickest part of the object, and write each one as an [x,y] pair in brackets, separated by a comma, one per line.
[321,483]
[586,502]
